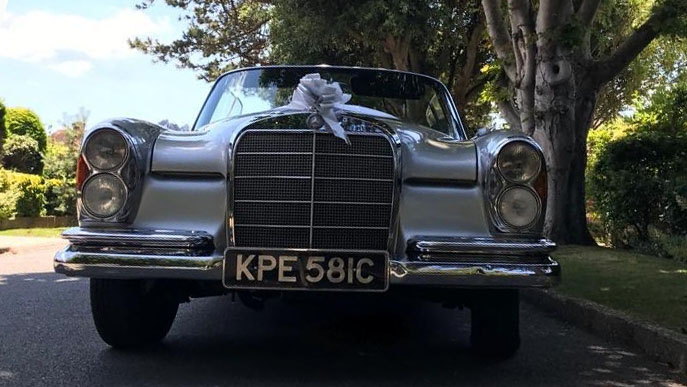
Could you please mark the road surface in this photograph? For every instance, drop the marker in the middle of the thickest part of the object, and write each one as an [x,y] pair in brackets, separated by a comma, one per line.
[47,338]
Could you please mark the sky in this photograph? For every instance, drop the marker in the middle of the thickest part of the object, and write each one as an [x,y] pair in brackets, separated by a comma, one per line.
[57,57]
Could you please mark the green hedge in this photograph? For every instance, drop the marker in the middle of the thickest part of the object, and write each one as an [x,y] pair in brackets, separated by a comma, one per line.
[22,121]
[638,186]
[23,194]
[21,153]
[60,197]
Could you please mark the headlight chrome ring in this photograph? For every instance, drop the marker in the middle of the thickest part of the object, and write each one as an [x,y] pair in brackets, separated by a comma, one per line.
[106,150]
[103,195]
[519,162]
[518,206]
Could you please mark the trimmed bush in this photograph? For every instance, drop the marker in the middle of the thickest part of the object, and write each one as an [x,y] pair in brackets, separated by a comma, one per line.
[25,191]
[21,154]
[22,121]
[60,197]
[60,161]
[639,183]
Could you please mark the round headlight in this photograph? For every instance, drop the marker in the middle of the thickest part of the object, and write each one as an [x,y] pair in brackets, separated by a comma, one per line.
[103,195]
[519,162]
[106,149]
[518,207]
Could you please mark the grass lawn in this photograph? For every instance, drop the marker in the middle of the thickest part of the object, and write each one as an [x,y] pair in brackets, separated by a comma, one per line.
[648,287]
[34,232]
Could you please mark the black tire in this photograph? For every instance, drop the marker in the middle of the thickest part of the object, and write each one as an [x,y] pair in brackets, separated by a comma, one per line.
[495,331]
[132,313]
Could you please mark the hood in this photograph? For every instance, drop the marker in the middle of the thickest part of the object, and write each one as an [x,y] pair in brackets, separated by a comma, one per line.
[425,154]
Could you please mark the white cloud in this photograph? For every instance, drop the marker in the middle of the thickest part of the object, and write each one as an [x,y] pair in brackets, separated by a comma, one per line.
[71,68]
[70,43]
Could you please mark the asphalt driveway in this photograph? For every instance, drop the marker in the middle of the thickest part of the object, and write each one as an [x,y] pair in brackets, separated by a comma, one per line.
[47,338]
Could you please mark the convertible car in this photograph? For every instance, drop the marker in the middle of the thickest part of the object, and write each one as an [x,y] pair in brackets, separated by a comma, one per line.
[309,179]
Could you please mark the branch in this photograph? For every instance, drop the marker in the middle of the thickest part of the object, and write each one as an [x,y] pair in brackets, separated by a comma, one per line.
[606,69]
[510,114]
[476,88]
[551,16]
[468,69]
[472,50]
[587,11]
[524,45]
[500,37]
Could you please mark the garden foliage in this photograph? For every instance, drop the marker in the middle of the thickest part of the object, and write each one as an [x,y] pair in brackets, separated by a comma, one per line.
[22,154]
[637,180]
[22,194]
[22,121]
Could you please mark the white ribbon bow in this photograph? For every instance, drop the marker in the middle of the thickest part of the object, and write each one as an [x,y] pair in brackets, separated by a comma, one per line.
[322,96]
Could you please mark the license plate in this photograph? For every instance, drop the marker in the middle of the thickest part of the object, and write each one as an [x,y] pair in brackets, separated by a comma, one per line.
[310,269]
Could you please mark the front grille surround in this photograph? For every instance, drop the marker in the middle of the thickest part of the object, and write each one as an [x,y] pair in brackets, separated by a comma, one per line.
[351,208]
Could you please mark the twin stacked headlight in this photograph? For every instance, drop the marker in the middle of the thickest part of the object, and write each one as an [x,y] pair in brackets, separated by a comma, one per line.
[103,192]
[519,200]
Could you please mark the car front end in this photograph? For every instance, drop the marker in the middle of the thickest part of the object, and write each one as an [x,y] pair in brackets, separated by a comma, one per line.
[269,201]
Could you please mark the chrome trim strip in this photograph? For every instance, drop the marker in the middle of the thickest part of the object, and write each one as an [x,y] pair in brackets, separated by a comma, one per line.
[272,225]
[138,238]
[311,177]
[355,155]
[308,201]
[312,190]
[481,246]
[319,154]
[272,177]
[353,178]
[456,275]
[467,275]
[123,266]
[309,226]
[276,153]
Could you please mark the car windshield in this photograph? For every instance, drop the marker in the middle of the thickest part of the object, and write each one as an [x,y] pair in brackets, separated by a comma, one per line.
[408,97]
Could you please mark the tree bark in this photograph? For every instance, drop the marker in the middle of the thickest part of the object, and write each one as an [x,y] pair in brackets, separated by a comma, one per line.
[576,216]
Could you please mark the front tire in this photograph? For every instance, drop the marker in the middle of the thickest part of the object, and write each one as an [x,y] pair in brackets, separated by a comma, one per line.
[132,313]
[495,331]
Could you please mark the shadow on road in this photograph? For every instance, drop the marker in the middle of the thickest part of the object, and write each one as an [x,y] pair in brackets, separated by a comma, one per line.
[344,341]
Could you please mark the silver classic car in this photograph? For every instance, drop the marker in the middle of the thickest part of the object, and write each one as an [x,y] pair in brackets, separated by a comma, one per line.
[309,179]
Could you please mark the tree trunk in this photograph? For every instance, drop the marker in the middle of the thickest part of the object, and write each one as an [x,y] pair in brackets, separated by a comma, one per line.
[555,127]
[564,116]
[578,233]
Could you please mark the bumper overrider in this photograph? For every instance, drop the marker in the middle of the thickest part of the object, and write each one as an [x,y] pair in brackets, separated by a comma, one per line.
[432,261]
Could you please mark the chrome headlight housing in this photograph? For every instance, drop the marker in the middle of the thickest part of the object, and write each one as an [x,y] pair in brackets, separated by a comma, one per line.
[515,186]
[103,195]
[106,174]
[106,149]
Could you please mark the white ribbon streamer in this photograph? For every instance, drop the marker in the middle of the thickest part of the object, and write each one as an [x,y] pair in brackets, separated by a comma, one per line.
[324,97]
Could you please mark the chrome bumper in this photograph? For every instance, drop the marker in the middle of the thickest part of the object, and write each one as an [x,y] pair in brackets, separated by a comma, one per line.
[183,255]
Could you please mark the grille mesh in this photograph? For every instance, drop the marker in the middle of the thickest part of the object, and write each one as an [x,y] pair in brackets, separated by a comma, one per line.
[272,165]
[349,206]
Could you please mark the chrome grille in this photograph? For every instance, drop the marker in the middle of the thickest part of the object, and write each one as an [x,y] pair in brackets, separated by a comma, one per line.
[311,190]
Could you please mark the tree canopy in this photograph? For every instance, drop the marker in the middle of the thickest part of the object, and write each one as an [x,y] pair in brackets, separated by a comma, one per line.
[442,38]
